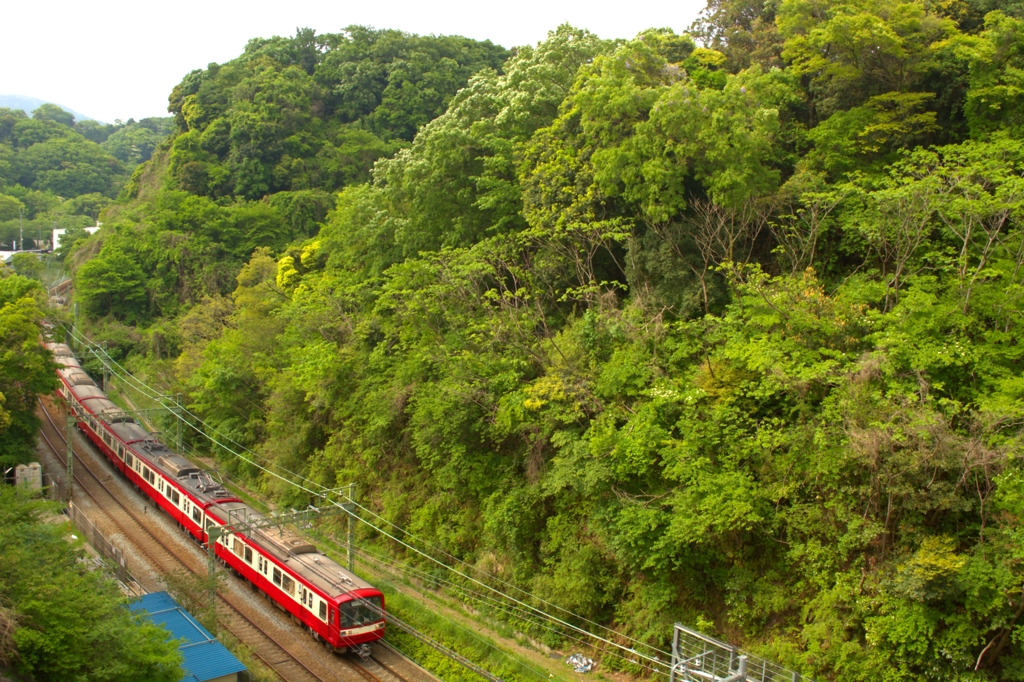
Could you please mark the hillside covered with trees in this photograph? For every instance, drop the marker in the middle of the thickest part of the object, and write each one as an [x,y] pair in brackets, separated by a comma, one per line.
[55,172]
[720,328]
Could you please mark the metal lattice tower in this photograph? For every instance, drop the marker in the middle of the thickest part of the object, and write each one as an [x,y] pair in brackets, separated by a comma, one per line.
[697,657]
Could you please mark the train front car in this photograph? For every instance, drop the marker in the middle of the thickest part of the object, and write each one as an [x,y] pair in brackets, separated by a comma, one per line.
[360,617]
[339,609]
[354,609]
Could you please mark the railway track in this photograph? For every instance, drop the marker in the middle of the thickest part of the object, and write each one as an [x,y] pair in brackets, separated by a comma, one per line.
[284,660]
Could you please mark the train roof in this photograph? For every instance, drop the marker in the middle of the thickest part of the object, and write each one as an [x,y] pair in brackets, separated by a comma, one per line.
[201,484]
[106,410]
[326,574]
[130,432]
[85,392]
[294,551]
[75,376]
[59,349]
[66,361]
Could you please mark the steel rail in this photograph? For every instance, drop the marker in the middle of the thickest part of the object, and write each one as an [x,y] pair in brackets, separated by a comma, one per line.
[391,671]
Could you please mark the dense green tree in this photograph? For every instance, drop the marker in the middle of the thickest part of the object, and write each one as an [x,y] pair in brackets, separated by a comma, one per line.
[850,52]
[995,57]
[112,284]
[313,111]
[52,112]
[745,32]
[27,265]
[133,143]
[26,370]
[10,207]
[46,155]
[457,182]
[70,621]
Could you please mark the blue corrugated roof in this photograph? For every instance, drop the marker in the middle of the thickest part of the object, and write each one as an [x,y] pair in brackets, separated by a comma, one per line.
[205,657]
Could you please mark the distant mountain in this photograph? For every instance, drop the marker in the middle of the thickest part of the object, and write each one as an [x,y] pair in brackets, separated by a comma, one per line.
[30,104]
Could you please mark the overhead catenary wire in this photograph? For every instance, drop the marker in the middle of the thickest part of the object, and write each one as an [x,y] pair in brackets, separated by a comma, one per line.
[472,634]
[518,589]
[650,659]
[122,373]
[505,608]
[321,571]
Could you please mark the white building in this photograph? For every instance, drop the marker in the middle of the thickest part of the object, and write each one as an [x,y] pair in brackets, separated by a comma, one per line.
[59,232]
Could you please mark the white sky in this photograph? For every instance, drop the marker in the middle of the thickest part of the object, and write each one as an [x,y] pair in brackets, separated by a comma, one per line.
[113,59]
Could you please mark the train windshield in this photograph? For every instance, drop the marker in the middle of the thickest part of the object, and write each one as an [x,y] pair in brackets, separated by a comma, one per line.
[360,612]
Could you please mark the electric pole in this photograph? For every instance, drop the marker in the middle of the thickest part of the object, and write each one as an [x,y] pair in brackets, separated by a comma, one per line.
[350,507]
[21,230]
[106,370]
[177,422]
[69,436]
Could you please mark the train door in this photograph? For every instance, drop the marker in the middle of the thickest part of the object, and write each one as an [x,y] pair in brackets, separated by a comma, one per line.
[333,621]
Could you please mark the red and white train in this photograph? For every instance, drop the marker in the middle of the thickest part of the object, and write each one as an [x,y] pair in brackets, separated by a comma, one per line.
[335,606]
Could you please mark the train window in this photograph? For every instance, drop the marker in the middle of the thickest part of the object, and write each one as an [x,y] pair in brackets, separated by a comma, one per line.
[260,565]
[323,610]
[277,576]
[236,545]
[175,497]
[160,485]
[288,585]
[356,613]
[120,452]
[248,555]
[197,515]
[128,460]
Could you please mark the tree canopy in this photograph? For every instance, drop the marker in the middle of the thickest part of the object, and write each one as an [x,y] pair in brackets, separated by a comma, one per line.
[69,621]
[26,369]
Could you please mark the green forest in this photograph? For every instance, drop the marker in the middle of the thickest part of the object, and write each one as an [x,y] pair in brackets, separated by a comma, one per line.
[55,172]
[59,620]
[718,327]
